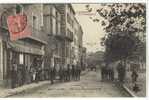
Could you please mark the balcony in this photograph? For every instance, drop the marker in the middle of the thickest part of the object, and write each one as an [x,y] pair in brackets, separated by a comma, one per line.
[37,35]
[62,36]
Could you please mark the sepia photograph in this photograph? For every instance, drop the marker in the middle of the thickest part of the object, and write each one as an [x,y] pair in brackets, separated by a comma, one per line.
[72,50]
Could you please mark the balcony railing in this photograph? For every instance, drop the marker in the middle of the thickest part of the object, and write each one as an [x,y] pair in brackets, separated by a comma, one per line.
[69,36]
[60,36]
[37,34]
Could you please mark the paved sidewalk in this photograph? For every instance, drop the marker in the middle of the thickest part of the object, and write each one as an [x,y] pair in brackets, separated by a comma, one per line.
[27,87]
[9,92]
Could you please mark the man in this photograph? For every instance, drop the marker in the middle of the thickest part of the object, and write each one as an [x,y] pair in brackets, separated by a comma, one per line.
[52,72]
[134,76]
[68,72]
[65,72]
[14,75]
[111,71]
[103,71]
[121,72]
[73,72]
[78,71]
[61,73]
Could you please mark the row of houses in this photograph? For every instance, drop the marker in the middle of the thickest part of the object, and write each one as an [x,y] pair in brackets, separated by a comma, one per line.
[56,38]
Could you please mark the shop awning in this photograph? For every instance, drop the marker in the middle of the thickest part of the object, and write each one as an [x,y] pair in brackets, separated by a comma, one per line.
[25,49]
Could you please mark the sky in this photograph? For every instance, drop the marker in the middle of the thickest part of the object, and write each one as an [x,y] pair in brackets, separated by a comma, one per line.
[93,31]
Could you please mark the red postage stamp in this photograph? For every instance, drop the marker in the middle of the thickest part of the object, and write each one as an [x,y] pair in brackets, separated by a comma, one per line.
[17,25]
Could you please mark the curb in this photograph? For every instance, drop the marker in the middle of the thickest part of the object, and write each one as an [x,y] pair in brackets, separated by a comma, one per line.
[129,91]
[25,88]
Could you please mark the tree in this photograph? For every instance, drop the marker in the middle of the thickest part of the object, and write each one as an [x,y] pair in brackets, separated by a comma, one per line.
[121,22]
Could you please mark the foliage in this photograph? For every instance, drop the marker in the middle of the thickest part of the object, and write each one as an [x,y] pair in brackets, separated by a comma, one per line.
[122,22]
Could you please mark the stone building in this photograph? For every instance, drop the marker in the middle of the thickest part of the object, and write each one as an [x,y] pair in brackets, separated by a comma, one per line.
[77,43]
[80,44]
[55,37]
[23,51]
[67,14]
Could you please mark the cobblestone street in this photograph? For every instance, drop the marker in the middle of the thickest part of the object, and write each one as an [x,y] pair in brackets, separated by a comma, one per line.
[89,86]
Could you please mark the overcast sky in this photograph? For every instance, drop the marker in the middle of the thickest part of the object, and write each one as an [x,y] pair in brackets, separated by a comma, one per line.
[92,31]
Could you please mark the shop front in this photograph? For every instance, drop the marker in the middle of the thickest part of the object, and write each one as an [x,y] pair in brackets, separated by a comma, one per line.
[20,62]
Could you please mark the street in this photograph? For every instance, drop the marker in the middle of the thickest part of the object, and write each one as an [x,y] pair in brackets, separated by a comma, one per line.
[90,85]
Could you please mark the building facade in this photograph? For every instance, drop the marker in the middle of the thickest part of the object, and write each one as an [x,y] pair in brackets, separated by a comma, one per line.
[56,39]
[23,51]
[67,14]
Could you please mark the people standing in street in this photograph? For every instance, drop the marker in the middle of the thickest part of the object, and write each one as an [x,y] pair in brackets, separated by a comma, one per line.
[103,71]
[111,71]
[52,74]
[78,71]
[106,73]
[14,75]
[34,75]
[57,68]
[121,72]
[73,72]
[61,73]
[134,76]
[52,71]
[65,72]
[68,72]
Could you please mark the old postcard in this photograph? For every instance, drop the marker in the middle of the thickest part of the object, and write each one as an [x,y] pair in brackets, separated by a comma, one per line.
[73,50]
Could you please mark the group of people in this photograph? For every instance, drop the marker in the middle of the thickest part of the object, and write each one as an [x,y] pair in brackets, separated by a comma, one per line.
[65,73]
[18,75]
[107,72]
[21,74]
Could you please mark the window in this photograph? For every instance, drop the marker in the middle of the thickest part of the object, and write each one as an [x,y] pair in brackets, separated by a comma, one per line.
[34,22]
[4,20]
[58,24]
[47,23]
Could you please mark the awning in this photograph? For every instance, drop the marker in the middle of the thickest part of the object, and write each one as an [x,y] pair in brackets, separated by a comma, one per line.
[25,49]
